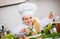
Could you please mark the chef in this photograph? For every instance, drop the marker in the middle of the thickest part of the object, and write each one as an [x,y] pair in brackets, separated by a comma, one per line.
[26,10]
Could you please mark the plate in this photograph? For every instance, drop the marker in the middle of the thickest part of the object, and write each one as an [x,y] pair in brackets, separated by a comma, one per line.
[34,36]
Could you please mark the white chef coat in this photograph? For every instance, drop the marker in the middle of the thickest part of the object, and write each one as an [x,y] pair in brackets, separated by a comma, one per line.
[22,25]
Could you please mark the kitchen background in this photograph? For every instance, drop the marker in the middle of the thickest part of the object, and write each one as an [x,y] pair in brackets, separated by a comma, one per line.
[10,17]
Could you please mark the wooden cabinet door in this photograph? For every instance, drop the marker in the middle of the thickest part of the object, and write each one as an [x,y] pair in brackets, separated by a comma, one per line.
[58,27]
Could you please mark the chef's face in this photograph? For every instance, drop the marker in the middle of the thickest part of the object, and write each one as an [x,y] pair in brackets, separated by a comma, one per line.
[27,20]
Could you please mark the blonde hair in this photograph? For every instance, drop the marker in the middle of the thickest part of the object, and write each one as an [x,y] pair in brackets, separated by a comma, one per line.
[37,25]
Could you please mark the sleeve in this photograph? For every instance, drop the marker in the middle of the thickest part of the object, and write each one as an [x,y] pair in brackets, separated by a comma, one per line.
[44,22]
[17,29]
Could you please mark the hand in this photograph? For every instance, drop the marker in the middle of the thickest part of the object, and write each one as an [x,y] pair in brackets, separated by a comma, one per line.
[50,15]
[27,31]
[34,33]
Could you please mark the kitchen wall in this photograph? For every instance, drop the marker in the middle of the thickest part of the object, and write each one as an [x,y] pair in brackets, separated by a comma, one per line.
[45,6]
[59,8]
[10,17]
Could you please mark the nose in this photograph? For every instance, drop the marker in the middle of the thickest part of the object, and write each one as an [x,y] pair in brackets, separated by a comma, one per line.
[29,20]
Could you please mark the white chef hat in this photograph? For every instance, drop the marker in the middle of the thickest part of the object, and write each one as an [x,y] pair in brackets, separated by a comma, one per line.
[27,9]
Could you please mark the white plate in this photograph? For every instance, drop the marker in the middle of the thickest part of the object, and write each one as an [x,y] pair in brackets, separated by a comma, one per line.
[34,36]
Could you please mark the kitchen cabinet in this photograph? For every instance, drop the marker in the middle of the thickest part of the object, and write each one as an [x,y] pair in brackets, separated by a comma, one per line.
[8,2]
[58,27]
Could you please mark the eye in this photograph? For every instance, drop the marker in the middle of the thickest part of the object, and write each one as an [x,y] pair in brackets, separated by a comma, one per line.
[26,18]
[30,17]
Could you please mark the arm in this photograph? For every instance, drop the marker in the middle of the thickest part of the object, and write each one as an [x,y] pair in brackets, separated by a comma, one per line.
[47,20]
